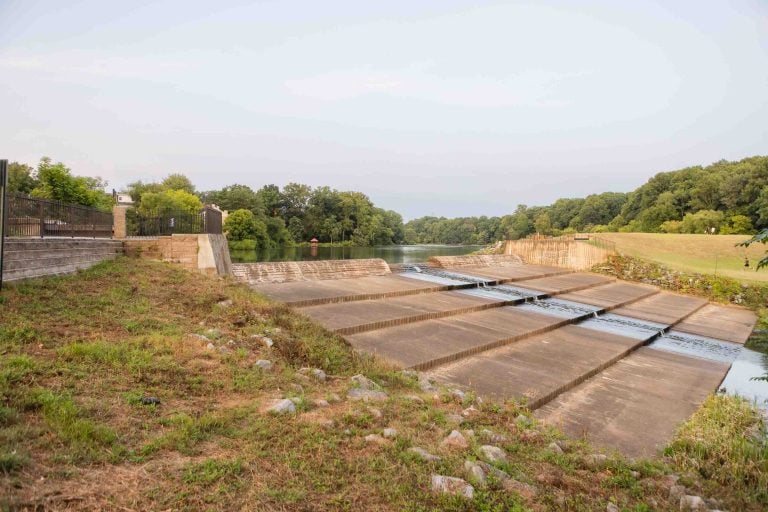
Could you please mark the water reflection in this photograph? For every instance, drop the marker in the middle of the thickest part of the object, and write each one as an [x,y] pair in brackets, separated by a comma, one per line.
[747,365]
[389,253]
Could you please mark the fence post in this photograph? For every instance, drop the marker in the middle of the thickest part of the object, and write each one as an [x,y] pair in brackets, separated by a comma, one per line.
[3,212]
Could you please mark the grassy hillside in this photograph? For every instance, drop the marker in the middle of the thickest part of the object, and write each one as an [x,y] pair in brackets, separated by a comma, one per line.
[136,386]
[694,253]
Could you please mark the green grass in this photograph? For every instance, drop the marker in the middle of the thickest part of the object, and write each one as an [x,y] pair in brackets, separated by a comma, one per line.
[74,427]
[708,254]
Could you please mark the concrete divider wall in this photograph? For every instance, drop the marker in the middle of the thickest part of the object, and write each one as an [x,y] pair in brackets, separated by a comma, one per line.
[29,257]
[208,254]
[475,260]
[288,271]
[559,253]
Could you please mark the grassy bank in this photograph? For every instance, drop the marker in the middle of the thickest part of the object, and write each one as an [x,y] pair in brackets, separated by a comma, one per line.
[706,254]
[138,385]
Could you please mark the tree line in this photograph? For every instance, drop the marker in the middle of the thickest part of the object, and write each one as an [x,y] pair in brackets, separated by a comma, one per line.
[724,197]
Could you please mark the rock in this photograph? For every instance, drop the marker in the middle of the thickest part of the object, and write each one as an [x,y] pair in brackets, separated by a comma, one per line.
[688,502]
[676,491]
[200,337]
[334,397]
[491,436]
[296,388]
[267,342]
[376,413]
[611,507]
[423,454]
[474,472]
[363,382]
[527,491]
[375,439]
[326,423]
[496,473]
[224,303]
[555,447]
[150,400]
[411,374]
[264,364]
[635,474]
[366,395]
[530,436]
[457,393]
[455,441]
[284,406]
[213,333]
[493,453]
[210,346]
[425,384]
[319,374]
[319,402]
[452,485]
[414,398]
[523,421]
[296,400]
[389,433]
[454,419]
[470,412]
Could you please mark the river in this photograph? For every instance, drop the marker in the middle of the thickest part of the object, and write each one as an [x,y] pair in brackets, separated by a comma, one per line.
[389,253]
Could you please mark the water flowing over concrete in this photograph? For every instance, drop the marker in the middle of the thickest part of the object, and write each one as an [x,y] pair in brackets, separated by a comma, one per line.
[622,363]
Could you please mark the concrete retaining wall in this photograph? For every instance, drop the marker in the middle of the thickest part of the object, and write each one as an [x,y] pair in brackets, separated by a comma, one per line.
[26,258]
[287,271]
[208,254]
[558,253]
[475,260]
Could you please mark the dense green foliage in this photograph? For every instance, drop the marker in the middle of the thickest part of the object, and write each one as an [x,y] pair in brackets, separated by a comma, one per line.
[298,213]
[55,181]
[761,237]
[731,197]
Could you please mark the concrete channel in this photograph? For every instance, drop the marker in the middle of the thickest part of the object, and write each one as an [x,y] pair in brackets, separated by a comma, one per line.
[619,363]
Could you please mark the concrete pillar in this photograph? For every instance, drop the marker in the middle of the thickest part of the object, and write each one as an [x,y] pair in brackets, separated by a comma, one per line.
[119,227]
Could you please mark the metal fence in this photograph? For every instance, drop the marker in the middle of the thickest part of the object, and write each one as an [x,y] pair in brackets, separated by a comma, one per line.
[32,217]
[207,220]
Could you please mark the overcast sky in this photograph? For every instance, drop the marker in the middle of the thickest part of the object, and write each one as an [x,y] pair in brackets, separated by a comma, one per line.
[441,107]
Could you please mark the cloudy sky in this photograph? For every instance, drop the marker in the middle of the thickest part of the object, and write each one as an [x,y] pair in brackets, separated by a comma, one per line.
[440,107]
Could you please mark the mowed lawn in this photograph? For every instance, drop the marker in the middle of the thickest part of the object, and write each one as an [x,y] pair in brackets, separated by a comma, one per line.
[694,253]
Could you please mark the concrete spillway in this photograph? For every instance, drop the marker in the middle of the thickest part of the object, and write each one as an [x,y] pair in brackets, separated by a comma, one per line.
[619,362]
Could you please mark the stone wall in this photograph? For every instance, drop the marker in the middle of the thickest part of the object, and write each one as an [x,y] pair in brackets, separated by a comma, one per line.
[475,260]
[208,254]
[29,257]
[572,254]
[287,271]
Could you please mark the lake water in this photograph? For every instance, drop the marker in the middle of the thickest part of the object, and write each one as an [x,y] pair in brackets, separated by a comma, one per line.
[389,253]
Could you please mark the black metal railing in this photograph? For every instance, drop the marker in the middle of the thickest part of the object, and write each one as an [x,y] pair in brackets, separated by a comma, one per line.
[32,217]
[207,220]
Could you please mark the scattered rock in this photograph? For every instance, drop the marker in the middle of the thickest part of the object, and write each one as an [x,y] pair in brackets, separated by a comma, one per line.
[493,453]
[376,413]
[411,374]
[676,491]
[414,398]
[264,364]
[319,374]
[296,388]
[457,393]
[611,507]
[319,402]
[452,485]
[224,303]
[491,436]
[527,491]
[326,423]
[375,439]
[363,382]
[475,473]
[455,441]
[150,400]
[366,395]
[423,454]
[210,346]
[688,502]
[596,460]
[425,384]
[389,433]
[200,337]
[284,406]
[523,421]
[334,397]
[470,412]
[267,342]
[296,400]
[496,473]
[530,436]
[635,474]
[555,447]
[213,333]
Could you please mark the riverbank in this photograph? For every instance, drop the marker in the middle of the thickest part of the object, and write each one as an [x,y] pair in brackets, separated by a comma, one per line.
[139,385]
